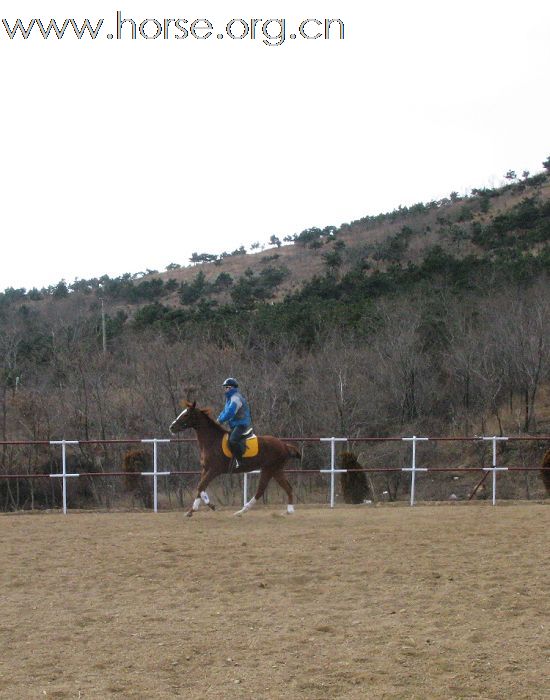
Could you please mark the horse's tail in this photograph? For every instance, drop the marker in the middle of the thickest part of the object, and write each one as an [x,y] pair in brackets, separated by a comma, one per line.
[293,451]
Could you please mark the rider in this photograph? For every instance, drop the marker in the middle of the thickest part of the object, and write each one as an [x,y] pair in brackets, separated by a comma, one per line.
[237,414]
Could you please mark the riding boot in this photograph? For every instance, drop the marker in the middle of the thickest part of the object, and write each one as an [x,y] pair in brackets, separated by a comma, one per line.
[237,444]
[237,457]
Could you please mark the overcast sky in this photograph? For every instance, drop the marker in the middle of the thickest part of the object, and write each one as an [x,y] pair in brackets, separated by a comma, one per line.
[120,155]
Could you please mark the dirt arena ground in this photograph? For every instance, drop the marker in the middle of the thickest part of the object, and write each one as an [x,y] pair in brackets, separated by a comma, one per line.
[449,601]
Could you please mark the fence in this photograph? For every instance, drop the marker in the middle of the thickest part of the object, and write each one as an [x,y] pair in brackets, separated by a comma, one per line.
[330,471]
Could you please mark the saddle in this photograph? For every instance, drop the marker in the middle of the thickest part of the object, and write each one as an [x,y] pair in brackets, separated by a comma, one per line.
[250,449]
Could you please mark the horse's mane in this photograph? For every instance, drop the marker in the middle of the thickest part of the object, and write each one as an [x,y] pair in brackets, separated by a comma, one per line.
[208,413]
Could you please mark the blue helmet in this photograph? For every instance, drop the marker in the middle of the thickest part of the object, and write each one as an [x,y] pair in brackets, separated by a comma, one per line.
[230,382]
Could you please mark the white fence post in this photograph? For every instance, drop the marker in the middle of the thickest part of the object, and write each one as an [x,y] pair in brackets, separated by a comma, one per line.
[155,473]
[494,468]
[332,471]
[64,474]
[413,468]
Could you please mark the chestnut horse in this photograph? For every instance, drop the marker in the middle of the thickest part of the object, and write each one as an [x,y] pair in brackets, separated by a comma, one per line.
[272,456]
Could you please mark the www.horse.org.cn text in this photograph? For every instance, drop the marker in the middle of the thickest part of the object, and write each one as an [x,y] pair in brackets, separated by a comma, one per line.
[271,32]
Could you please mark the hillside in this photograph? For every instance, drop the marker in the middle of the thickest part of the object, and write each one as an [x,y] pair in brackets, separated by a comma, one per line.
[430,318]
[499,226]
[378,240]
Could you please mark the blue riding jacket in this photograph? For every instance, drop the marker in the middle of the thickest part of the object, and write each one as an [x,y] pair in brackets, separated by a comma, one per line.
[235,411]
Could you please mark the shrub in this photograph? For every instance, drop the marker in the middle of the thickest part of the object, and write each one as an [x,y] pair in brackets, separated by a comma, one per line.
[135,462]
[354,483]
[545,471]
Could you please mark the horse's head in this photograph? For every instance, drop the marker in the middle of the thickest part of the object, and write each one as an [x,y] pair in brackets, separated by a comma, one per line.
[188,418]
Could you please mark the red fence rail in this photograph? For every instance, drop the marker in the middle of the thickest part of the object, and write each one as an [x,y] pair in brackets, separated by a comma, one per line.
[155,474]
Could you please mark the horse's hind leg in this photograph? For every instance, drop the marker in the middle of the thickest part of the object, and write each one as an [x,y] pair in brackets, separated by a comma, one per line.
[264,481]
[283,482]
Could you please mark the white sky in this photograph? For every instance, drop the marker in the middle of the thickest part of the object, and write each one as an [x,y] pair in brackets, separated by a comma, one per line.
[119,156]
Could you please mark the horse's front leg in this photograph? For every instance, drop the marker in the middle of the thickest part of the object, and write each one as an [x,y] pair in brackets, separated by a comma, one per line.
[201,496]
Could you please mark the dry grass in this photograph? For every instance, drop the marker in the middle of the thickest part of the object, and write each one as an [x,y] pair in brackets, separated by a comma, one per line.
[388,602]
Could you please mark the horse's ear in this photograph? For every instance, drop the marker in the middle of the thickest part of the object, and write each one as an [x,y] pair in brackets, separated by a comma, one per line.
[194,404]
[189,391]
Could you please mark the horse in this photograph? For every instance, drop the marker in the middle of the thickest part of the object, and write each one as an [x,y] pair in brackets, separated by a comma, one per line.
[271,457]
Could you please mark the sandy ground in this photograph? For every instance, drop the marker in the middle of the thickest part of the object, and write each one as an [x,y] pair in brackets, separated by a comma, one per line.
[359,602]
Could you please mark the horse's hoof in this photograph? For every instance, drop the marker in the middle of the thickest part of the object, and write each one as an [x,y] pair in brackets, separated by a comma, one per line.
[189,514]
[239,513]
[211,506]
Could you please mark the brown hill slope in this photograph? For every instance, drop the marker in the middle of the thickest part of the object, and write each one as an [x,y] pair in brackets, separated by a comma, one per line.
[361,238]
[446,223]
